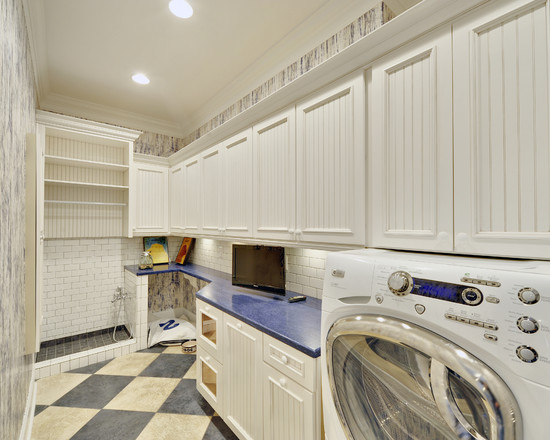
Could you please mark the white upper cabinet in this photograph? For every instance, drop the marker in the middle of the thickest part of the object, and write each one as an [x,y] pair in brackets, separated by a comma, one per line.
[192,195]
[330,177]
[210,191]
[151,215]
[502,151]
[237,185]
[177,212]
[410,149]
[275,177]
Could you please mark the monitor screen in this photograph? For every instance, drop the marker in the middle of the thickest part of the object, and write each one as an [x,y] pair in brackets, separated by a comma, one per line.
[259,267]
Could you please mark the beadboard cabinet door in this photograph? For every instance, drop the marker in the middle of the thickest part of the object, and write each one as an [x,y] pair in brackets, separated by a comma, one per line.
[237,188]
[210,191]
[151,199]
[501,141]
[410,176]
[274,151]
[192,195]
[177,201]
[330,180]
[289,409]
[242,366]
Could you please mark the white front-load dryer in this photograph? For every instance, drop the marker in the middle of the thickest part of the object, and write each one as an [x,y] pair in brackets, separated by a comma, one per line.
[435,347]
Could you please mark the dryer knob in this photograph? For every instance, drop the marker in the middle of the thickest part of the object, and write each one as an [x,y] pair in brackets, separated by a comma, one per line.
[527,354]
[527,324]
[400,283]
[528,295]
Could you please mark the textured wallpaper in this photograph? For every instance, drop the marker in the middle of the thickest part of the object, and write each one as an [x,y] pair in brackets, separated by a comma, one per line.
[17,104]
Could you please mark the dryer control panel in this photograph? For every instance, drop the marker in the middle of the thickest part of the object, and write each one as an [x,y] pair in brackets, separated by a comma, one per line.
[492,305]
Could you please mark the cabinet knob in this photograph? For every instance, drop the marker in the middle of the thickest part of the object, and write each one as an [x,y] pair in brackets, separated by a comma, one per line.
[284,359]
[239,325]
[282,381]
[298,232]
[207,358]
[207,308]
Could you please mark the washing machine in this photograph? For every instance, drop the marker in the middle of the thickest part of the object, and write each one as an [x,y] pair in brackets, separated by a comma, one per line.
[435,347]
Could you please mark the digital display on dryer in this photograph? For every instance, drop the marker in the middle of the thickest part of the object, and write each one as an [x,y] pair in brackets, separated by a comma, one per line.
[438,290]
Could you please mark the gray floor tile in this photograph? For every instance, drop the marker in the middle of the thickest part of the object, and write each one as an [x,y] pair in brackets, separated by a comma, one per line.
[218,430]
[114,425]
[91,369]
[169,365]
[95,392]
[39,408]
[185,399]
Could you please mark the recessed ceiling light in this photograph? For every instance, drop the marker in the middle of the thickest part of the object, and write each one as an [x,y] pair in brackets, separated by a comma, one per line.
[140,78]
[180,8]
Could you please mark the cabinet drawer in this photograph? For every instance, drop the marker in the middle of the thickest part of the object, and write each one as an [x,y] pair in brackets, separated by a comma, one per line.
[209,328]
[291,362]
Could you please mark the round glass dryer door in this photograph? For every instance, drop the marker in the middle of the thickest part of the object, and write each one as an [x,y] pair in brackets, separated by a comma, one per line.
[393,380]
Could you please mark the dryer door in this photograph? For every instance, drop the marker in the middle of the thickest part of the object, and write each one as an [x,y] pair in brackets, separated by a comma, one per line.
[393,380]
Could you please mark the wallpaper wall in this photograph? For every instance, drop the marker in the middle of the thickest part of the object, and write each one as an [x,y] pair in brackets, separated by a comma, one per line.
[17,104]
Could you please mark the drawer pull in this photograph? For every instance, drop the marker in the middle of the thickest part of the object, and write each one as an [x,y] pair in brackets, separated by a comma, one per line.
[207,308]
[282,381]
[239,325]
[207,358]
[284,359]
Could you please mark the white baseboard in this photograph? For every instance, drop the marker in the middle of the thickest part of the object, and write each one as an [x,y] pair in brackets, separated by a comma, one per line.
[28,416]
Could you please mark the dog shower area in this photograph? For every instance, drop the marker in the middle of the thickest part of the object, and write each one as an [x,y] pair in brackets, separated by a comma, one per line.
[93,310]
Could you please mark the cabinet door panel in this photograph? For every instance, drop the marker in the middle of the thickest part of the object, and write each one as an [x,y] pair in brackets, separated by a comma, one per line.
[502,148]
[237,203]
[242,378]
[411,168]
[210,186]
[152,199]
[177,223]
[275,177]
[330,146]
[192,195]
[288,408]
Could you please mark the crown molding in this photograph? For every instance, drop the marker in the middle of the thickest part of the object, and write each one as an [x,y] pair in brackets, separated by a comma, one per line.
[36,31]
[85,126]
[150,159]
[88,110]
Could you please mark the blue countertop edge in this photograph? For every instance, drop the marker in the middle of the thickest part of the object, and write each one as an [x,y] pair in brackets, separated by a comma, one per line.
[296,324]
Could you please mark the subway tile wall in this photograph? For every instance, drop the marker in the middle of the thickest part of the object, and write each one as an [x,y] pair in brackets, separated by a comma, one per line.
[305,267]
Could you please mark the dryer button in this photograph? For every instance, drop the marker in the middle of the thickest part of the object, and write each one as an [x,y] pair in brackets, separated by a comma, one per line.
[490,337]
[461,319]
[419,308]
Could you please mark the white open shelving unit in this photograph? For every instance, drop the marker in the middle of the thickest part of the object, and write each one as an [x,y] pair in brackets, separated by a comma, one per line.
[87,177]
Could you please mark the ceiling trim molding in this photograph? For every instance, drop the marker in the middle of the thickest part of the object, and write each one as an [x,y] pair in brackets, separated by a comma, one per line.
[84,109]
[84,126]
[36,30]
[149,159]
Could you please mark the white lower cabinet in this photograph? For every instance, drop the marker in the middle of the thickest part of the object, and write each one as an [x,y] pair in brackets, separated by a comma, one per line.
[261,387]
[242,369]
[289,409]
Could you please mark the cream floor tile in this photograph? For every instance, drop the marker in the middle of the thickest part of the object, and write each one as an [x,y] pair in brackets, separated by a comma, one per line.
[192,372]
[60,423]
[128,365]
[49,389]
[144,394]
[173,349]
[171,426]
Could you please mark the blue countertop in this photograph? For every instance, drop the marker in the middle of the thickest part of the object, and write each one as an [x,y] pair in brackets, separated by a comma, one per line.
[296,324]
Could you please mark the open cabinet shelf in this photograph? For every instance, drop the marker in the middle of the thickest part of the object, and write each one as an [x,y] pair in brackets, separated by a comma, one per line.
[86,177]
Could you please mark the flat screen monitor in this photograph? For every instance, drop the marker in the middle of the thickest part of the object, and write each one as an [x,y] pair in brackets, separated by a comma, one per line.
[259,267]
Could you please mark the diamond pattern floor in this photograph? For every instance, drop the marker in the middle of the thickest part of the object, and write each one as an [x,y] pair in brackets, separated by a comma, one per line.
[146,395]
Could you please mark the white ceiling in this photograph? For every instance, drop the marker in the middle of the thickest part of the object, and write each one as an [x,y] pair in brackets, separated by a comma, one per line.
[85,52]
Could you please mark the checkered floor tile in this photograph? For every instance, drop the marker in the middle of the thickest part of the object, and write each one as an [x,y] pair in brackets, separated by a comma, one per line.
[146,395]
